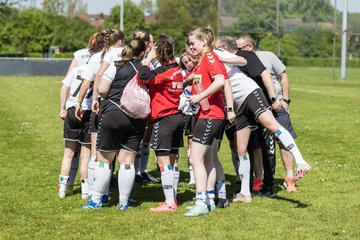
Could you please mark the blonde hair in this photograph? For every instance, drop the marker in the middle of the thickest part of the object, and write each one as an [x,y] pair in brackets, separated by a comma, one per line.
[206,34]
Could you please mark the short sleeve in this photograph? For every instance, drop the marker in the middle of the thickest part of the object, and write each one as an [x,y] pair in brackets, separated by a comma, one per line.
[215,66]
[110,73]
[278,65]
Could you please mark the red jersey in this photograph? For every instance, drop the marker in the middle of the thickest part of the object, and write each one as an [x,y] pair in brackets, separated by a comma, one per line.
[204,73]
[165,87]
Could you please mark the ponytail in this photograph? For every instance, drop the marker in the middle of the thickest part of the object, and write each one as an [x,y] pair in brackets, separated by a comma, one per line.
[111,37]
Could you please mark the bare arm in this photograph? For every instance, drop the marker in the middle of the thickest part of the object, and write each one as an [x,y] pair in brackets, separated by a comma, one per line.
[285,87]
[269,85]
[216,85]
[229,101]
[236,60]
[100,73]
[64,94]
[84,87]
[104,87]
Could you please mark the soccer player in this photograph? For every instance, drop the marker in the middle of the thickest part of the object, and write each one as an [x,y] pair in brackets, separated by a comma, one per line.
[117,131]
[165,86]
[251,106]
[282,88]
[211,74]
[75,132]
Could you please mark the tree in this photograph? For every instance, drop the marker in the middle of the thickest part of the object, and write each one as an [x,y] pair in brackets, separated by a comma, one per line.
[178,17]
[133,18]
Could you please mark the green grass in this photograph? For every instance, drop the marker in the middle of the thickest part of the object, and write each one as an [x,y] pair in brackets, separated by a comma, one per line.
[326,116]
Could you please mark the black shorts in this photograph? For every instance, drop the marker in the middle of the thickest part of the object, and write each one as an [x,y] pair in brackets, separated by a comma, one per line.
[284,119]
[75,130]
[189,123]
[118,131]
[230,131]
[167,133]
[94,122]
[254,105]
[206,130]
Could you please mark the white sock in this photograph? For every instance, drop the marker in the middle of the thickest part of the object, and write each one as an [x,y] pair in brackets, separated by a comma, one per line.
[85,187]
[73,169]
[102,176]
[144,158]
[192,175]
[235,160]
[289,173]
[221,189]
[91,169]
[244,172]
[201,197]
[126,178]
[176,180]
[288,141]
[107,187]
[167,181]
[210,196]
[63,180]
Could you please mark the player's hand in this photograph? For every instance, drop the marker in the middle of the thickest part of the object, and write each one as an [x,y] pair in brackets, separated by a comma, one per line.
[276,106]
[62,114]
[231,116]
[195,98]
[79,113]
[95,106]
[285,106]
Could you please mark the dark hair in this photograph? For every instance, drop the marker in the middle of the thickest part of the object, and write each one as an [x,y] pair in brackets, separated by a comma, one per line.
[111,37]
[182,54]
[164,49]
[131,51]
[142,34]
[96,42]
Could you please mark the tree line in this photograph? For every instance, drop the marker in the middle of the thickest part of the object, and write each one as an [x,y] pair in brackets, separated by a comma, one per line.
[27,31]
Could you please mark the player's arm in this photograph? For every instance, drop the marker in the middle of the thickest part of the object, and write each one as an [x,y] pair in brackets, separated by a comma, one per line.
[64,94]
[216,85]
[104,87]
[285,87]
[100,73]
[229,101]
[269,85]
[83,89]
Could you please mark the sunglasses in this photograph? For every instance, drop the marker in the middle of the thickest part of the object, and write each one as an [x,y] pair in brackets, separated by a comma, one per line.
[243,47]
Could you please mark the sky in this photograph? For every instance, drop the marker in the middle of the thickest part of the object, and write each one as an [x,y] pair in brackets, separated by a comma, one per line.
[104,6]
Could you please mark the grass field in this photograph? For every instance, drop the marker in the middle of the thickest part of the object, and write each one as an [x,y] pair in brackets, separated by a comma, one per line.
[326,116]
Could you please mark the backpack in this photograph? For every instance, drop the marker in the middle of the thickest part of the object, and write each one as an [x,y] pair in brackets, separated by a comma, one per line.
[135,100]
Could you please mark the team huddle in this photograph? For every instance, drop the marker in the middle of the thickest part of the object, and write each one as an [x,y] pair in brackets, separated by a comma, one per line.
[118,99]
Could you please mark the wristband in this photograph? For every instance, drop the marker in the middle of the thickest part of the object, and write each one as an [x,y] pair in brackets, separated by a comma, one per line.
[287,100]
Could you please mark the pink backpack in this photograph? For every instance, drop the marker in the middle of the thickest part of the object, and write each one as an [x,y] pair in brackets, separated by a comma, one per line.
[135,100]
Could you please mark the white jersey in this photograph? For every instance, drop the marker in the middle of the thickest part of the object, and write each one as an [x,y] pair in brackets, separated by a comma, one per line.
[73,80]
[82,56]
[241,84]
[93,67]
[113,55]
[110,73]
